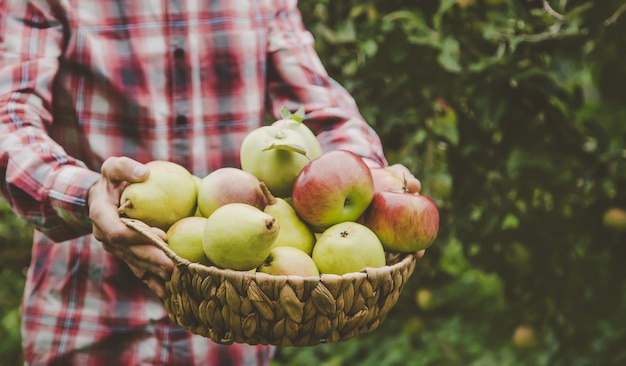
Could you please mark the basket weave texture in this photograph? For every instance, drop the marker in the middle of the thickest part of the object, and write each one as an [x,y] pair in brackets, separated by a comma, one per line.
[256,308]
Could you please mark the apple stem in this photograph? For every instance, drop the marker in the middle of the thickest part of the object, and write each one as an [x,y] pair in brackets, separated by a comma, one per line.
[271,200]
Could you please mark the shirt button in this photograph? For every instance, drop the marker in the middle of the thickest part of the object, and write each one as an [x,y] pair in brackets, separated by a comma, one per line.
[181,120]
[179,53]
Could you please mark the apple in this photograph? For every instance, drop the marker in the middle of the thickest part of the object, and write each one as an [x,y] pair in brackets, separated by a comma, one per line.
[185,238]
[295,122]
[336,187]
[275,155]
[404,222]
[348,247]
[524,337]
[287,261]
[615,218]
[229,185]
[424,298]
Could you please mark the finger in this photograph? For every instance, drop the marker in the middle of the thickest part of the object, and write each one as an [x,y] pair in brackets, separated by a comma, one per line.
[150,259]
[117,169]
[420,253]
[412,184]
[154,283]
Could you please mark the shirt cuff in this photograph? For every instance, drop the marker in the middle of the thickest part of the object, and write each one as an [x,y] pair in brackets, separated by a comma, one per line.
[68,195]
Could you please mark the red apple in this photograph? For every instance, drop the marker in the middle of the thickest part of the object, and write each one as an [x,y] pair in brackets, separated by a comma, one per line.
[404,222]
[335,187]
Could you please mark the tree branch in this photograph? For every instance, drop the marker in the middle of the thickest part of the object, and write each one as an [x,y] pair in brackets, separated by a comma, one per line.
[551,11]
[613,18]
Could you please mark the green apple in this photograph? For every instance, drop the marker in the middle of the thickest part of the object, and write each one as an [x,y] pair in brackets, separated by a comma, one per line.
[295,122]
[336,187]
[348,247]
[239,236]
[229,185]
[615,218]
[424,298]
[289,261]
[275,156]
[166,196]
[185,239]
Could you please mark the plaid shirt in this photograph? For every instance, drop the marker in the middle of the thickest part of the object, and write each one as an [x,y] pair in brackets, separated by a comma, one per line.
[184,81]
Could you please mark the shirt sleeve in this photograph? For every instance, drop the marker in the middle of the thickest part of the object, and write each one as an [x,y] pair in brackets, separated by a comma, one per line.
[40,181]
[297,78]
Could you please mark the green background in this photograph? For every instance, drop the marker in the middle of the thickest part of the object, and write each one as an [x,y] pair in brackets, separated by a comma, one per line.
[513,115]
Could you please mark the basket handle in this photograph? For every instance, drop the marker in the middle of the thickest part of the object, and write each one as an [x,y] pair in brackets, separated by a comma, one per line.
[144,229]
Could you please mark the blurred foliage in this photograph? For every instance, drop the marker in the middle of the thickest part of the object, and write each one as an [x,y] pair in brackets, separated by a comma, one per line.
[511,112]
[15,241]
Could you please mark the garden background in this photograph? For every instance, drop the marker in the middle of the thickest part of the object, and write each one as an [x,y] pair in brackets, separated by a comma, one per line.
[513,115]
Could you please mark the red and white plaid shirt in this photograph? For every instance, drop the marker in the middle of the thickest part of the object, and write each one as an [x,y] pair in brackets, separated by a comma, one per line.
[184,81]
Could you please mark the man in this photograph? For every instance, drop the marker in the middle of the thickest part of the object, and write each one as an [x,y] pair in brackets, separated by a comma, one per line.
[90,90]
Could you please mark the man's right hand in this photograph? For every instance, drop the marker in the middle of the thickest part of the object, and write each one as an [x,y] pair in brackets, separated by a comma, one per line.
[148,263]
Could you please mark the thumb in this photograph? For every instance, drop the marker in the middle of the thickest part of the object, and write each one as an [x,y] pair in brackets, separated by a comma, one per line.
[118,169]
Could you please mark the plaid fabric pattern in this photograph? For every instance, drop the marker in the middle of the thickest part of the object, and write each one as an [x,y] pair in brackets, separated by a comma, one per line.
[184,81]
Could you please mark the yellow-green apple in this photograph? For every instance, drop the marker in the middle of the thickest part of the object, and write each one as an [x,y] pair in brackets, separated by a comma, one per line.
[166,196]
[295,122]
[348,247]
[404,222]
[185,239]
[229,185]
[288,261]
[335,187]
[615,218]
[424,298]
[275,154]
[239,236]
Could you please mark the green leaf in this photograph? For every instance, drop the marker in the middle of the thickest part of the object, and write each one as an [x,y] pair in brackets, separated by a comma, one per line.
[450,54]
[281,145]
[298,116]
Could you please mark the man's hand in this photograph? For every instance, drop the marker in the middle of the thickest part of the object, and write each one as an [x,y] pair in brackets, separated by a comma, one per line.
[148,263]
[412,184]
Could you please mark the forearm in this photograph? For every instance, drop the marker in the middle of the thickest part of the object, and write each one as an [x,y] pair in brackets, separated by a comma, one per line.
[40,182]
[297,78]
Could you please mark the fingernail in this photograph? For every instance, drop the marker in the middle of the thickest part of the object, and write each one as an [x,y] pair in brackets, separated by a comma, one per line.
[140,171]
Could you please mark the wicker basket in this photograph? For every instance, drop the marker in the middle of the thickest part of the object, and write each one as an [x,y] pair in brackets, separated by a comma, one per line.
[256,308]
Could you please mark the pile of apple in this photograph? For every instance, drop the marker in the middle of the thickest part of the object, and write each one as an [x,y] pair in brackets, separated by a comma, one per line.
[290,209]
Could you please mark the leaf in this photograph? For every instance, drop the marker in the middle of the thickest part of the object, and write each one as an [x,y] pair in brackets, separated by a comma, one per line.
[298,116]
[281,145]
[450,54]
